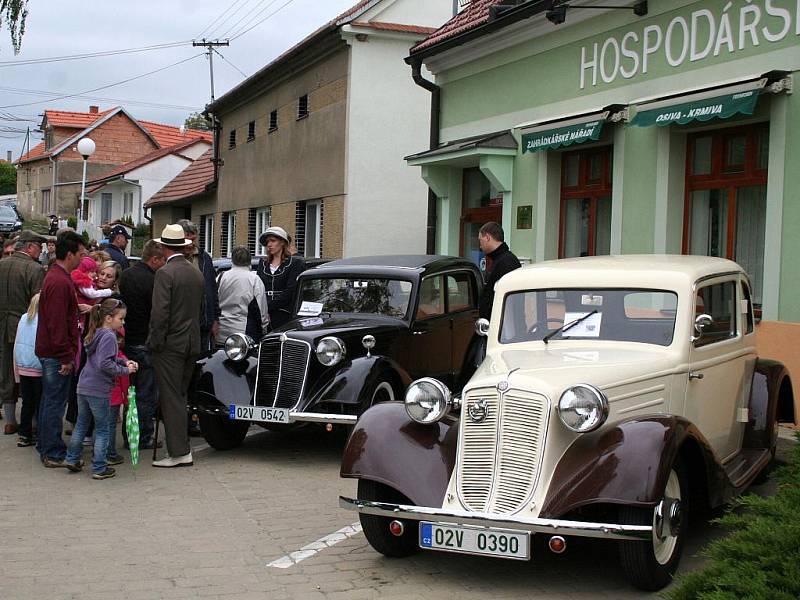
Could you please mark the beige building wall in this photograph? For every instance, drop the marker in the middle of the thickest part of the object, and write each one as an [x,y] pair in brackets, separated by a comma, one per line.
[303,159]
[333,227]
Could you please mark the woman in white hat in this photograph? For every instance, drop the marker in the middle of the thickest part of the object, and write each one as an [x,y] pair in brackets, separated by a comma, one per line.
[279,271]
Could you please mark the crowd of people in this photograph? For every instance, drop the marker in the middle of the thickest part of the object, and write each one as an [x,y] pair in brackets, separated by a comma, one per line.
[79,325]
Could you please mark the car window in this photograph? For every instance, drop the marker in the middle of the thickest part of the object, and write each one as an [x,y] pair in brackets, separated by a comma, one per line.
[358,295]
[719,302]
[7,213]
[431,299]
[626,315]
[747,309]
[459,292]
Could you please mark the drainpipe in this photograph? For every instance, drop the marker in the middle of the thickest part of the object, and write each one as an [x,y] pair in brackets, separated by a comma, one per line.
[53,197]
[416,74]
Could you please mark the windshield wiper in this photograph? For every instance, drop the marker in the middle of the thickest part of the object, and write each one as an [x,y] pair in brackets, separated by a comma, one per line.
[568,326]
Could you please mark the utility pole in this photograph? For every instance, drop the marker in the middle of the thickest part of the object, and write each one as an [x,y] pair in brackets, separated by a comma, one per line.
[209,45]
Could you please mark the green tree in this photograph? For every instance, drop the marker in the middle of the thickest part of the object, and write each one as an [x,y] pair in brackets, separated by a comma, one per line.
[13,14]
[8,178]
[196,120]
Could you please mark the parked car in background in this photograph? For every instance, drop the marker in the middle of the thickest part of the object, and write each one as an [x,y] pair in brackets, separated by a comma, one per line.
[10,221]
[224,264]
[364,328]
[616,393]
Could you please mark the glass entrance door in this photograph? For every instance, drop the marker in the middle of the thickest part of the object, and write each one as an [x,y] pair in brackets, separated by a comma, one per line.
[481,203]
[585,203]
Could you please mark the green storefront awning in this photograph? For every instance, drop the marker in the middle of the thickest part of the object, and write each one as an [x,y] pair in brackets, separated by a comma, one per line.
[556,135]
[721,103]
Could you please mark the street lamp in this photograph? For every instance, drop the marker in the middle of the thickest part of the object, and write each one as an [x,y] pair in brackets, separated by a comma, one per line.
[86,148]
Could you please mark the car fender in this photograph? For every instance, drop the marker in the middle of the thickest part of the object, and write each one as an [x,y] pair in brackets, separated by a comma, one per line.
[388,447]
[219,382]
[628,464]
[349,383]
[771,400]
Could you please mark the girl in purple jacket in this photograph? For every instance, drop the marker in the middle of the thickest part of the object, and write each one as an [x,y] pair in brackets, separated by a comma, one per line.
[96,381]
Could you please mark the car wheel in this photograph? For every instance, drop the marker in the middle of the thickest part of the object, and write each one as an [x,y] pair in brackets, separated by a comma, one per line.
[376,529]
[650,565]
[222,433]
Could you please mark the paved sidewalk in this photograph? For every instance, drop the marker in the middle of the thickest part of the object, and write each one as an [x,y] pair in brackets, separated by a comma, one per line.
[210,531]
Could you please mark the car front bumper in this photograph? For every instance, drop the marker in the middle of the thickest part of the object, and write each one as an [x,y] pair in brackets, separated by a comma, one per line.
[609,531]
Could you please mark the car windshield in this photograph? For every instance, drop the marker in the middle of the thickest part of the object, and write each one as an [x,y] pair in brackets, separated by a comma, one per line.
[625,315]
[7,213]
[389,297]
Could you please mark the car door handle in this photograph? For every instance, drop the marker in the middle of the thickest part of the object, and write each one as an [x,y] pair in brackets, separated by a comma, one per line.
[695,375]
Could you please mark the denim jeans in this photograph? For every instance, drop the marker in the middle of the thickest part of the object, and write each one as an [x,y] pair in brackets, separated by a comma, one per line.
[146,391]
[113,413]
[88,407]
[55,389]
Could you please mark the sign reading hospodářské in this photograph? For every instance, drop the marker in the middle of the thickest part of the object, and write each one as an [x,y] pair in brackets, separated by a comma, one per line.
[561,136]
[719,28]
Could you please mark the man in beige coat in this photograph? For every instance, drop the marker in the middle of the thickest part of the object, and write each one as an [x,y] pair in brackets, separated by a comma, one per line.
[175,341]
[21,277]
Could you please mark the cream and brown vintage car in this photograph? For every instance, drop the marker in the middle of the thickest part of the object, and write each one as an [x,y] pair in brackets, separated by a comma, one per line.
[616,393]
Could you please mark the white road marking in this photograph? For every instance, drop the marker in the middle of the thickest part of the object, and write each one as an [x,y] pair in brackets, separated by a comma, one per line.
[311,549]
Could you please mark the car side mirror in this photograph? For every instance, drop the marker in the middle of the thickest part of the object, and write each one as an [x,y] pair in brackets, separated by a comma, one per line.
[700,323]
[482,327]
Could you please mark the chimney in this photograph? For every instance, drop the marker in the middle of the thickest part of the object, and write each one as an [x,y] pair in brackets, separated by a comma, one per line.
[94,109]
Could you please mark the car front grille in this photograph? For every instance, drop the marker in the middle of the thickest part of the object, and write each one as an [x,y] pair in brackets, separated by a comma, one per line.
[282,367]
[500,456]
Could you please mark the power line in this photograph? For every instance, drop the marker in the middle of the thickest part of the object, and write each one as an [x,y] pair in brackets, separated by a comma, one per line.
[255,8]
[143,103]
[230,63]
[51,59]
[210,25]
[232,14]
[103,87]
[276,11]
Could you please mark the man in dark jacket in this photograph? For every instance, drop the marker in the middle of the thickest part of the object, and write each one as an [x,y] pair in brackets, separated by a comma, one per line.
[57,345]
[209,322]
[21,277]
[117,242]
[136,287]
[499,261]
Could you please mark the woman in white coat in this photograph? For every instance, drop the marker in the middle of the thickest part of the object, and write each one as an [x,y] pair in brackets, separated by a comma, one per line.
[242,299]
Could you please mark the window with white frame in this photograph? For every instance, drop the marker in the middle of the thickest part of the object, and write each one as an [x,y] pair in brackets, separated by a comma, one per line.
[207,222]
[263,221]
[313,229]
[228,233]
[127,204]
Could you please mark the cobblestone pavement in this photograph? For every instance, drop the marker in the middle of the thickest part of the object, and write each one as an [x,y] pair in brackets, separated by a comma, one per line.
[211,530]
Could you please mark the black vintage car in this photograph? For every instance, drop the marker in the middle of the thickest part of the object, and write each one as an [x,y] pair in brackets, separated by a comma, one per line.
[364,328]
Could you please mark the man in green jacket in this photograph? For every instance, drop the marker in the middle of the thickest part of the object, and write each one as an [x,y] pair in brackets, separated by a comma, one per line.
[21,277]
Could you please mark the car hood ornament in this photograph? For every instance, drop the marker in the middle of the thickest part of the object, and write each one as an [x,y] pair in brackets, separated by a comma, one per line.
[478,410]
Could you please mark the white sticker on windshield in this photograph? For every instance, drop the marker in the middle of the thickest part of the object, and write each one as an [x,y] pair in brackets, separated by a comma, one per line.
[589,327]
[310,309]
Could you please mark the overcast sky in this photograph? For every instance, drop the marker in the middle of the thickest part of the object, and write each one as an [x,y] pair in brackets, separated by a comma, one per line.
[66,28]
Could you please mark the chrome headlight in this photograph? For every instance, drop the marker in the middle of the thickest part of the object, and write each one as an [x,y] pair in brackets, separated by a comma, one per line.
[238,346]
[583,408]
[427,400]
[330,351]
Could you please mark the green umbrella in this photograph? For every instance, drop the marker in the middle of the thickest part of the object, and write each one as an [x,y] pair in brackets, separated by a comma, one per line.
[132,426]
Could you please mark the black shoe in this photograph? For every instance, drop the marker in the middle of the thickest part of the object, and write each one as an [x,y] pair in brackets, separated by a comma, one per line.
[74,467]
[195,432]
[107,474]
[115,460]
[148,445]
[24,441]
[52,463]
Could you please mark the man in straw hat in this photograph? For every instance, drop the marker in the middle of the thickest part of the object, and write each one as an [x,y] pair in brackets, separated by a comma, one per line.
[175,340]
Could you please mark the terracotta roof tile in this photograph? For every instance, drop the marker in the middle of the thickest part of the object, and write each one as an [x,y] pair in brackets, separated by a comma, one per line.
[192,181]
[75,120]
[477,13]
[36,152]
[394,27]
[143,160]
[169,135]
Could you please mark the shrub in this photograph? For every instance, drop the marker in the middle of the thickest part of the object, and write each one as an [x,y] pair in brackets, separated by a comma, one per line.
[760,559]
[72,222]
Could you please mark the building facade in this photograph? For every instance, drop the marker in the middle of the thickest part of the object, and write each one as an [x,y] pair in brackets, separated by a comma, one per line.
[314,142]
[671,129]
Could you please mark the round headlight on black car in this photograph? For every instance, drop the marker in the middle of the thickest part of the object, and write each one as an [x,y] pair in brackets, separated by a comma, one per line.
[238,346]
[330,351]
[427,400]
[583,408]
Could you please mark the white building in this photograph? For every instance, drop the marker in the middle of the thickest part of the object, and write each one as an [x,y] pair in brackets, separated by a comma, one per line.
[123,191]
